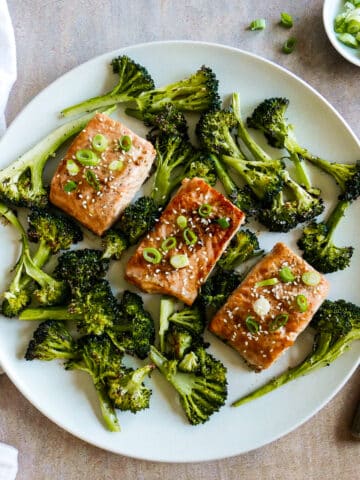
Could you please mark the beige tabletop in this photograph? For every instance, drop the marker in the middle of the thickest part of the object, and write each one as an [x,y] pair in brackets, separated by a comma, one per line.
[54,36]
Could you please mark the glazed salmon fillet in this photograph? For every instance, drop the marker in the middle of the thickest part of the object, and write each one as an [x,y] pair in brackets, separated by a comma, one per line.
[266,313]
[200,243]
[96,195]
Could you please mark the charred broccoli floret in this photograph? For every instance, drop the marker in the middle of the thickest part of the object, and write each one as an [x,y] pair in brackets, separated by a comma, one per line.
[138,219]
[317,243]
[202,167]
[218,287]
[168,121]
[337,325]
[133,79]
[202,392]
[51,340]
[114,244]
[243,246]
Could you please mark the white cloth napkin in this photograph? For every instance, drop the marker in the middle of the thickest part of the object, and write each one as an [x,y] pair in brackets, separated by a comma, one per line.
[8,454]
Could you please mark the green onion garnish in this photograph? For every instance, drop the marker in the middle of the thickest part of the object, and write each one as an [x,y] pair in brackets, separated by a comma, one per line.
[72,167]
[99,142]
[87,158]
[116,165]
[302,303]
[179,261]
[289,45]
[311,278]
[278,322]
[251,324]
[286,275]
[348,39]
[286,20]
[125,143]
[204,210]
[181,222]
[190,237]
[70,186]
[267,282]
[92,180]
[258,24]
[152,255]
[223,222]
[168,244]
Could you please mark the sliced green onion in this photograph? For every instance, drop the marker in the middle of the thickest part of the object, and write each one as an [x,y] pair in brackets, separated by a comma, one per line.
[179,261]
[99,142]
[286,275]
[302,303]
[190,237]
[87,157]
[152,255]
[267,282]
[92,180]
[204,210]
[258,24]
[70,186]
[116,165]
[181,222]
[286,20]
[72,167]
[353,26]
[348,39]
[251,324]
[278,322]
[311,278]
[289,45]
[125,143]
[168,244]
[223,222]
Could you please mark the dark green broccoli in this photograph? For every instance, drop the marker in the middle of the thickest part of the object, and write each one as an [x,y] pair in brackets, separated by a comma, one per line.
[114,244]
[284,215]
[191,319]
[49,291]
[243,246]
[21,183]
[168,121]
[337,325]
[178,342]
[202,167]
[138,219]
[98,357]
[197,93]
[202,392]
[134,329]
[218,287]
[242,197]
[79,268]
[317,243]
[51,340]
[128,392]
[133,79]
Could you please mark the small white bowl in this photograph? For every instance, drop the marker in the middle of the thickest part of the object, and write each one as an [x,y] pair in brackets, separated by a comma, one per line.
[331,8]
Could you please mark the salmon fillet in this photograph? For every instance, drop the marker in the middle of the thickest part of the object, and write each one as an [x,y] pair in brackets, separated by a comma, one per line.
[211,240]
[262,342]
[103,191]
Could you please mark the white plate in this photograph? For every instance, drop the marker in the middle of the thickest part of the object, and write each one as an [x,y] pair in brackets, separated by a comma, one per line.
[331,8]
[162,433]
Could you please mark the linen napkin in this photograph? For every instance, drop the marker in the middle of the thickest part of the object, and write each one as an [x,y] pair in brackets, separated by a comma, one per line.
[8,454]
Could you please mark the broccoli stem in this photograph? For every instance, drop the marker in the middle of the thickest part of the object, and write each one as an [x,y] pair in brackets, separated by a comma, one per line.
[95,103]
[48,313]
[107,410]
[167,308]
[335,218]
[226,181]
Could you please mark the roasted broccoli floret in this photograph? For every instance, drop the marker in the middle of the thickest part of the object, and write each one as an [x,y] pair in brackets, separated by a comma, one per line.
[79,268]
[317,243]
[168,121]
[49,291]
[218,287]
[133,79]
[102,361]
[51,340]
[202,167]
[21,183]
[191,319]
[243,247]
[134,329]
[114,244]
[300,206]
[128,392]
[202,392]
[337,325]
[242,197]
[197,93]
[178,341]
[138,219]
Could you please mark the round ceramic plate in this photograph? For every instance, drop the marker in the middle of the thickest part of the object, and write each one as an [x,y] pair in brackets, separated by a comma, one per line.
[161,433]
